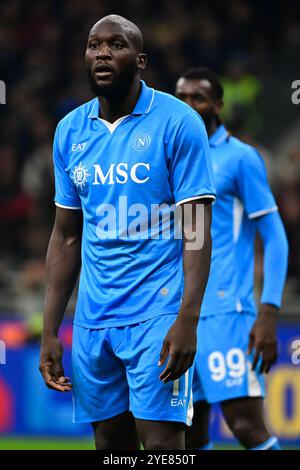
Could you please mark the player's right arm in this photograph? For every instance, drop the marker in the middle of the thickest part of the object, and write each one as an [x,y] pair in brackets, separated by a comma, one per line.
[62,269]
[261,209]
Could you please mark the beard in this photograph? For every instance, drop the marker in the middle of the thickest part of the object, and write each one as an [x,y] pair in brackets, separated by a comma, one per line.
[208,119]
[119,85]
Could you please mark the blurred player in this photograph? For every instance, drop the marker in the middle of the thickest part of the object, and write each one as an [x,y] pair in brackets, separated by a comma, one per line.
[115,157]
[235,347]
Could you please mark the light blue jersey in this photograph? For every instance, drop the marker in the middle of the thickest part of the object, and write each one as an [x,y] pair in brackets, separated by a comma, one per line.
[115,173]
[223,370]
[243,193]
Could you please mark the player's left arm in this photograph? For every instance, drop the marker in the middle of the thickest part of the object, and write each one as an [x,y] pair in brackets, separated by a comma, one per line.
[180,344]
[263,339]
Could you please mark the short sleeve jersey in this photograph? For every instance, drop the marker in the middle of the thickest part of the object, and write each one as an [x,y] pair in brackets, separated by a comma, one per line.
[118,175]
[243,193]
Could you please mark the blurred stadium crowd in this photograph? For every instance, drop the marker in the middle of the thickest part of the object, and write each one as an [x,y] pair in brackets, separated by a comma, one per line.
[253,45]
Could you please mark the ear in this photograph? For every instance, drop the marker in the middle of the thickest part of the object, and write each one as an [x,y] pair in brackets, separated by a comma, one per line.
[141,61]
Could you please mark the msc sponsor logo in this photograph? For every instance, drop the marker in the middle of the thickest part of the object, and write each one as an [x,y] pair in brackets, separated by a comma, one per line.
[116,174]
[120,173]
[80,175]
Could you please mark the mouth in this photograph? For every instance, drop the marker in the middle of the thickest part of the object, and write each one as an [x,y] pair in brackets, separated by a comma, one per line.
[103,71]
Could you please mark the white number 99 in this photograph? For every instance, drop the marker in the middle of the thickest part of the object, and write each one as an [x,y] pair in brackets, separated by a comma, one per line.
[234,361]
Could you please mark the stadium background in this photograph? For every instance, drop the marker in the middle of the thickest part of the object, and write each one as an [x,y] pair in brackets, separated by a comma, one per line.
[255,47]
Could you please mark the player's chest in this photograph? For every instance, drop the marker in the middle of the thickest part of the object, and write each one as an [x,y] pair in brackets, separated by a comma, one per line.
[123,159]
[224,171]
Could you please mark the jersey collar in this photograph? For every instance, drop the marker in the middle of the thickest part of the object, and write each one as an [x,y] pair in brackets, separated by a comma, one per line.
[218,136]
[142,106]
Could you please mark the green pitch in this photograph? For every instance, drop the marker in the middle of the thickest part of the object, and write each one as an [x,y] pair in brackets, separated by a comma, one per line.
[19,443]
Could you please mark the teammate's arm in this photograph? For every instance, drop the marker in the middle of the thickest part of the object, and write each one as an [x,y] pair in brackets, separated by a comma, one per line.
[180,344]
[62,269]
[263,334]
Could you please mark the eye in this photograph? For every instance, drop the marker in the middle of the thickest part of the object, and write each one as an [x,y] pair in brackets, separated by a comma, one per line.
[200,99]
[93,45]
[117,44]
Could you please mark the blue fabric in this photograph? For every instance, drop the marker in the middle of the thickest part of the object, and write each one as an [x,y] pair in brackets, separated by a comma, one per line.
[275,446]
[271,230]
[243,194]
[208,446]
[270,444]
[157,155]
[223,370]
[116,369]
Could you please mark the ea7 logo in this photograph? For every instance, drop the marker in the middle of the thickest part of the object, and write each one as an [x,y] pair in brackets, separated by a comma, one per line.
[2,92]
[78,146]
[178,402]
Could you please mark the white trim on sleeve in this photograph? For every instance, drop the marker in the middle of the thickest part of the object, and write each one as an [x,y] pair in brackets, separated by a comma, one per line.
[190,411]
[67,207]
[238,210]
[263,212]
[205,196]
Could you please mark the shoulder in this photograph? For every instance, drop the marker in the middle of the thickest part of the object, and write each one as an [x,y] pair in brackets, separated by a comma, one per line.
[179,121]
[245,154]
[176,110]
[72,123]
[166,99]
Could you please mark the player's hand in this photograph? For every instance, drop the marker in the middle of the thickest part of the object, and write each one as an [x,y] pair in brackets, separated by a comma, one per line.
[180,345]
[262,338]
[51,365]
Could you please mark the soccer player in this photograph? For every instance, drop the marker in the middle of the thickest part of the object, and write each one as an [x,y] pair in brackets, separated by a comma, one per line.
[115,157]
[235,346]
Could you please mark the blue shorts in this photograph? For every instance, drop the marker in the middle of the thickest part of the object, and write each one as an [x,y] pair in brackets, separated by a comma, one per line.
[222,369]
[115,370]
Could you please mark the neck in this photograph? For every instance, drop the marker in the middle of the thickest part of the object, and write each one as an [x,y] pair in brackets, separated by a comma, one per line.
[114,107]
[213,126]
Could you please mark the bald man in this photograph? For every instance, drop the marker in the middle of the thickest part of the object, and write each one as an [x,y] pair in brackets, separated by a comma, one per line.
[122,161]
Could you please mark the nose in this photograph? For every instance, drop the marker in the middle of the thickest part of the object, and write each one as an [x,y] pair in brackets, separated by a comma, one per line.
[103,52]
